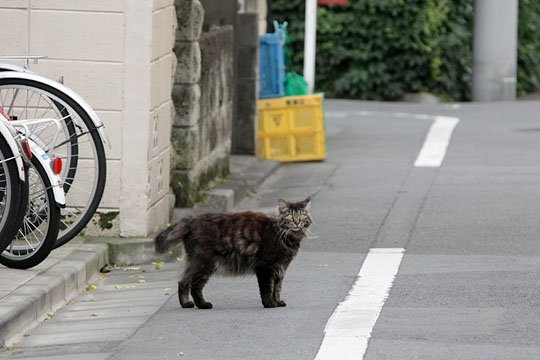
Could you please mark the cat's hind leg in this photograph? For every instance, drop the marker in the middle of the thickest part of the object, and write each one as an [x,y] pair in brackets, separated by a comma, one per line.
[184,286]
[199,280]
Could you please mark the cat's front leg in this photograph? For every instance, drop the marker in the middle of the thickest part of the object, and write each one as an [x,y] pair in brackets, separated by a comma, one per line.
[278,281]
[265,277]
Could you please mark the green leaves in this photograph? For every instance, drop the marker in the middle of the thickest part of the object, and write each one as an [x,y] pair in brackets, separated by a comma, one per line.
[382,49]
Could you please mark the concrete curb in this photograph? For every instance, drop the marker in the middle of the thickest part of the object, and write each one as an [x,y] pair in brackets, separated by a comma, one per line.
[49,290]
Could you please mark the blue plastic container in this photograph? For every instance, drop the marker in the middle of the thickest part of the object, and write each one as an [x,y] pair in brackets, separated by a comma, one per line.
[271,66]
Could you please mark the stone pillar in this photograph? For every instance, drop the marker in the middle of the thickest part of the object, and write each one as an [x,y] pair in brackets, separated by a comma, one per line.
[495,50]
[247,50]
[202,96]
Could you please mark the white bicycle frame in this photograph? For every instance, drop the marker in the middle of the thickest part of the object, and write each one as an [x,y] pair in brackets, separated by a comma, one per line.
[16,74]
[56,182]
[9,133]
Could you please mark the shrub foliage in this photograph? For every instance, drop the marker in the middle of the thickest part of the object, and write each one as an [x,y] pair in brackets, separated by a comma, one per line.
[382,49]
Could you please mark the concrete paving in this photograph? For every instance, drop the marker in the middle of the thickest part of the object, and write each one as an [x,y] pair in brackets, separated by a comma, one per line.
[29,297]
[467,287]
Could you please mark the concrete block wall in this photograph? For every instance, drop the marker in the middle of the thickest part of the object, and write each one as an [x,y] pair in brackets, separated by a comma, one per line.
[203,99]
[117,55]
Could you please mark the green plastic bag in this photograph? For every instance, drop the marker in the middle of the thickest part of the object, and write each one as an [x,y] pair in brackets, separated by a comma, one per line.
[295,84]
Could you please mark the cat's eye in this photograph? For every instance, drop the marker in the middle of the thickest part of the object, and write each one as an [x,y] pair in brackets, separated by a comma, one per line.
[288,217]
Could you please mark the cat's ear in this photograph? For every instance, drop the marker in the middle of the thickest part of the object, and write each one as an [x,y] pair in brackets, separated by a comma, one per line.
[283,205]
[307,203]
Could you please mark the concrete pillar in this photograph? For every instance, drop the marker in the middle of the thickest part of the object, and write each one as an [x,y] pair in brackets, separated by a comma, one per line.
[495,50]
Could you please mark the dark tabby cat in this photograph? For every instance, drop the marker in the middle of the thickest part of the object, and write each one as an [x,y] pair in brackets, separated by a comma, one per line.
[238,244]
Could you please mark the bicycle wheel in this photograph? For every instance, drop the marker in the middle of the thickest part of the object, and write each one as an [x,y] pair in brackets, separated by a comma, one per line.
[39,230]
[11,190]
[77,143]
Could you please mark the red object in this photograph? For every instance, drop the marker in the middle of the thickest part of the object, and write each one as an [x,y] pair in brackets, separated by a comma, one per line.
[26,148]
[57,166]
[333,2]
[4,113]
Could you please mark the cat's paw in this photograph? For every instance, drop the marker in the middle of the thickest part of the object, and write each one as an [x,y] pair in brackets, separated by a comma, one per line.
[206,305]
[187,305]
[281,303]
[270,304]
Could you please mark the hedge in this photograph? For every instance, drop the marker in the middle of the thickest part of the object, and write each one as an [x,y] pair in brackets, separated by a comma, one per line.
[382,49]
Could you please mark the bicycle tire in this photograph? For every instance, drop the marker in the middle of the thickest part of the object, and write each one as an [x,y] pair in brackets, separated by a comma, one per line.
[11,189]
[27,255]
[75,131]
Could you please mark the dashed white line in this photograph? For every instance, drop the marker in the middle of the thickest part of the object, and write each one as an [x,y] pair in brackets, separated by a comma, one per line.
[349,328]
[437,139]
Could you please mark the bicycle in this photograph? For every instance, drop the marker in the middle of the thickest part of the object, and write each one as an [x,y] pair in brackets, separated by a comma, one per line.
[13,184]
[40,208]
[25,95]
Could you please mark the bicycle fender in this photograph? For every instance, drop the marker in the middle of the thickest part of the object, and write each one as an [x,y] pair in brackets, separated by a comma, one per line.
[11,67]
[72,94]
[46,162]
[12,143]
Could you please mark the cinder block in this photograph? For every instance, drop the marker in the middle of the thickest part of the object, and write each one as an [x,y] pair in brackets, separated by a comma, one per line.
[163,31]
[113,127]
[158,177]
[160,83]
[111,195]
[190,15]
[17,4]
[160,4]
[81,38]
[95,5]
[160,128]
[99,83]
[158,215]
[15,34]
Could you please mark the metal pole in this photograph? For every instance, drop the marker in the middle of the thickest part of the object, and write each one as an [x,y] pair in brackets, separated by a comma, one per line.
[310,39]
[495,50]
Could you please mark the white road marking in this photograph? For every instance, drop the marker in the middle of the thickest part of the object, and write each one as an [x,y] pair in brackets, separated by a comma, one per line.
[349,328]
[335,114]
[437,139]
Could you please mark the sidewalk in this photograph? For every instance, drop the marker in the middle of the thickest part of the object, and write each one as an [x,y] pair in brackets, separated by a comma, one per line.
[27,296]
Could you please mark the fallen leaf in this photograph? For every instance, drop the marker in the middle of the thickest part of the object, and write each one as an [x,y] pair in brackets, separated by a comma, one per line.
[132,268]
[142,281]
[124,286]
[90,287]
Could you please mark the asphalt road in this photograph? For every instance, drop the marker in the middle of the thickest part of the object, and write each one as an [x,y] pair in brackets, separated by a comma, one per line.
[468,286]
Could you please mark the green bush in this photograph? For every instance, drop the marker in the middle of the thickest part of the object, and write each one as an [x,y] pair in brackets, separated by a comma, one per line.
[528,76]
[382,49]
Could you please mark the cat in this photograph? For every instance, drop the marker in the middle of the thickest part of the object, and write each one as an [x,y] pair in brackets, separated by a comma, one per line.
[238,244]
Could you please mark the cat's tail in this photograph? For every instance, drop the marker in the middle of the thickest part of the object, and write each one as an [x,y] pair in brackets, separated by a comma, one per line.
[171,236]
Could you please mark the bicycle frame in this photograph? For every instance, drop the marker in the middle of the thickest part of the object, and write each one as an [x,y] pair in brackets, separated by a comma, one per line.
[10,135]
[45,160]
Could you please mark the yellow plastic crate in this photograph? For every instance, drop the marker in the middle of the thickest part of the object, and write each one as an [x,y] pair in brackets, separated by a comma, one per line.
[291,128]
